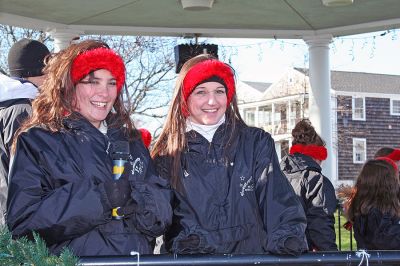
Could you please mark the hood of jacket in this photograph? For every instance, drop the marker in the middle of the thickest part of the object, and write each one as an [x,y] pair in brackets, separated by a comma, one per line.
[299,162]
[16,89]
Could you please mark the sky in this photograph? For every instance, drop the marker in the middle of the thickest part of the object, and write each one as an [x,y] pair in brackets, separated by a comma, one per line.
[265,60]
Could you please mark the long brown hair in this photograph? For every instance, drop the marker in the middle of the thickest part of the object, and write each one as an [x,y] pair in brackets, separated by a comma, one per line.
[172,140]
[377,186]
[57,94]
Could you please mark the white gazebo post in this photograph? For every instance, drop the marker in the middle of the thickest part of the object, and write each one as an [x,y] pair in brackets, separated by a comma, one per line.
[320,97]
[63,37]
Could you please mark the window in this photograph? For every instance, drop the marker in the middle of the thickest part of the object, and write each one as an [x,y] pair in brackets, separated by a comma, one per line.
[358,104]
[250,116]
[359,150]
[394,107]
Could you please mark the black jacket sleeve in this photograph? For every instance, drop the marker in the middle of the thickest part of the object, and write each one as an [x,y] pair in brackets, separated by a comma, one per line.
[320,200]
[281,211]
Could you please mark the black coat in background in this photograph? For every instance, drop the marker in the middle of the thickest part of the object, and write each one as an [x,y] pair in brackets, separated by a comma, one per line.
[15,107]
[377,231]
[235,199]
[317,195]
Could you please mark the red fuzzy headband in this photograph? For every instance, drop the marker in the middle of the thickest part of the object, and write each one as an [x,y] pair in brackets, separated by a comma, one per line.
[395,155]
[314,151]
[203,71]
[390,161]
[99,58]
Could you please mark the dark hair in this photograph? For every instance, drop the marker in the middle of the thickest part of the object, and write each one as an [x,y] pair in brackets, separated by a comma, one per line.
[304,133]
[172,140]
[377,186]
[57,94]
[383,152]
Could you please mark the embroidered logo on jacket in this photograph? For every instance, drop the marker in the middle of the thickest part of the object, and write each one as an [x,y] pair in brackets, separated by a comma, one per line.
[246,185]
[137,166]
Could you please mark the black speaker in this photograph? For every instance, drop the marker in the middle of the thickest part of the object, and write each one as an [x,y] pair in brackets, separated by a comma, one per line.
[184,52]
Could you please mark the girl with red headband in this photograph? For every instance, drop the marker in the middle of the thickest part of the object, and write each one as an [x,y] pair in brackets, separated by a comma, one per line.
[315,191]
[230,195]
[374,206]
[81,176]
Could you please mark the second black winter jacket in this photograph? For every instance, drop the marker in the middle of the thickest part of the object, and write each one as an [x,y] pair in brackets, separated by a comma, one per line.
[317,195]
[377,231]
[56,189]
[235,199]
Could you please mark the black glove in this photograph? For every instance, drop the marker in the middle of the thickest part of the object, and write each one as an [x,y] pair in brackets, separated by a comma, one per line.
[293,246]
[126,210]
[118,192]
[188,244]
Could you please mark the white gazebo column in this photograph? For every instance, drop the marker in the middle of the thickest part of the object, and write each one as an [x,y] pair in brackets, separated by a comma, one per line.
[63,37]
[320,97]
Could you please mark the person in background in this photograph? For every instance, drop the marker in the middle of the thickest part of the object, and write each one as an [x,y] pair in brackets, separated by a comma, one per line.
[26,60]
[146,137]
[230,195]
[374,206]
[303,169]
[80,175]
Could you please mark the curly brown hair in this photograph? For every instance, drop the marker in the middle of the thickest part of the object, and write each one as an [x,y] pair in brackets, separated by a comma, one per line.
[304,133]
[57,94]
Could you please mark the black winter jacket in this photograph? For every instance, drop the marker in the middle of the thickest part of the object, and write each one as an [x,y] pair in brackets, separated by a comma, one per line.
[55,189]
[377,231]
[317,195]
[234,199]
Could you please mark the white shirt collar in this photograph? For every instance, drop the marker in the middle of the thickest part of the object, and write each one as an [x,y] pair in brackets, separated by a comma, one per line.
[206,131]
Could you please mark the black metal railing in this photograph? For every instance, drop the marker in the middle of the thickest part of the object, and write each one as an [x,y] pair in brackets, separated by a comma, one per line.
[347,258]
[340,225]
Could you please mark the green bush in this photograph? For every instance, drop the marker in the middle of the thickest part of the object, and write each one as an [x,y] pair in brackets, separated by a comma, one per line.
[30,253]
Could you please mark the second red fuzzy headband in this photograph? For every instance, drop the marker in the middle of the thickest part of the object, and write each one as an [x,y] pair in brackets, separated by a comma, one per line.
[203,71]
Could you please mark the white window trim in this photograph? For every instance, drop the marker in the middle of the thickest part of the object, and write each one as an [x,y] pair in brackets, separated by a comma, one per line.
[352,108]
[391,106]
[354,149]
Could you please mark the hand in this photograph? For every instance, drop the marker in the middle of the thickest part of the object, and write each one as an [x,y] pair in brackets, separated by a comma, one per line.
[293,246]
[129,208]
[191,242]
[118,192]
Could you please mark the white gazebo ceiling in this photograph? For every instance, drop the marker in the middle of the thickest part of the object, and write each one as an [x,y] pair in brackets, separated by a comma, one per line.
[227,18]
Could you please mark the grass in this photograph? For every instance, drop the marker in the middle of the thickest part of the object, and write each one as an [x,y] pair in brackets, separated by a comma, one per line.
[344,234]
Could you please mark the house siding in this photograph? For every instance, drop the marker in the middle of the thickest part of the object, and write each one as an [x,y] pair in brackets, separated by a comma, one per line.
[379,129]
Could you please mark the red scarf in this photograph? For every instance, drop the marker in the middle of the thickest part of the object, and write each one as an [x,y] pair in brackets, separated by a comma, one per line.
[316,152]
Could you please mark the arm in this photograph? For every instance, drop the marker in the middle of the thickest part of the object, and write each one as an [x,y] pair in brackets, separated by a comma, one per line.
[321,204]
[58,212]
[185,236]
[152,196]
[282,214]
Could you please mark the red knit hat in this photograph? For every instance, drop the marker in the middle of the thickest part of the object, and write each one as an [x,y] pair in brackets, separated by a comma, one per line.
[99,58]
[203,71]
[146,136]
